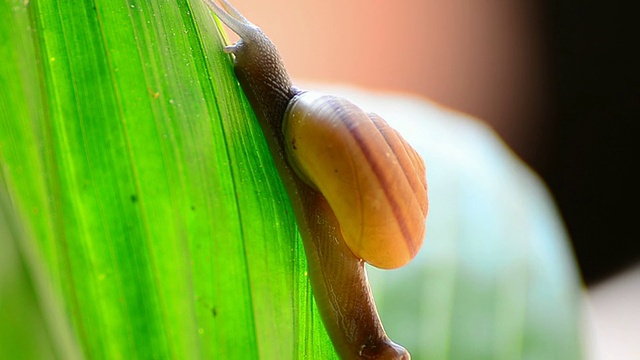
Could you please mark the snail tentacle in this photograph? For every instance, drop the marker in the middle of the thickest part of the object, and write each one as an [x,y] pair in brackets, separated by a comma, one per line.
[234,12]
[232,18]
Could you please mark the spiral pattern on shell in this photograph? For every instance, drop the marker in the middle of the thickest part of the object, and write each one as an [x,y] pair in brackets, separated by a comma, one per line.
[372,178]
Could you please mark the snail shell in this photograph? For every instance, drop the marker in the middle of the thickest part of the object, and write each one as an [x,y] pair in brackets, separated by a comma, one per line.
[372,178]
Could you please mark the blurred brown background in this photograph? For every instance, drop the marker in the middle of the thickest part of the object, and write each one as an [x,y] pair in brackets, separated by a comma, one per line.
[556,80]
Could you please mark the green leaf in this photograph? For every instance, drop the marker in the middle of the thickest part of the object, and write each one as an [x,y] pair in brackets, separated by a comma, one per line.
[141,177]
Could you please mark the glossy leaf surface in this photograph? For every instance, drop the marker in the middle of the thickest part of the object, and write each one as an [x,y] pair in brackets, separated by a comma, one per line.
[142,179]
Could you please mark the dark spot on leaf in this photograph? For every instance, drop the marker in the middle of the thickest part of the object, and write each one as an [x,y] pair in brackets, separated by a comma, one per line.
[193,208]
[214,312]
[134,198]
[293,144]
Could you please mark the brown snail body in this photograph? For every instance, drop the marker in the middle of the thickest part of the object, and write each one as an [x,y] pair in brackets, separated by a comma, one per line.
[357,188]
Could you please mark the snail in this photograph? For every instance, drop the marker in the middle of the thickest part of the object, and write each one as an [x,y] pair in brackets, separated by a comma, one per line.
[357,188]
